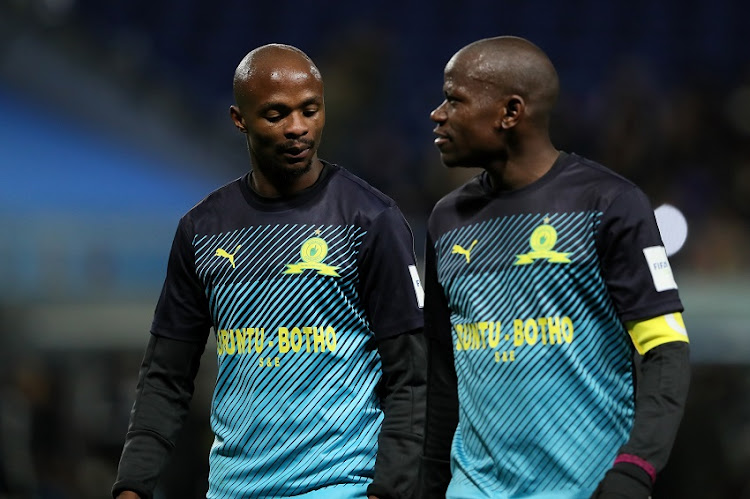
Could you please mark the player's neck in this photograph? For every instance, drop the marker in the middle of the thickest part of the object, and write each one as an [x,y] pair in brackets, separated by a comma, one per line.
[522,168]
[269,186]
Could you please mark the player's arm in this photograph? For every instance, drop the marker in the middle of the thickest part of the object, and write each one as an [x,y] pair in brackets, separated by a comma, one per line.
[392,296]
[442,392]
[640,281]
[402,400]
[663,381]
[165,382]
[165,388]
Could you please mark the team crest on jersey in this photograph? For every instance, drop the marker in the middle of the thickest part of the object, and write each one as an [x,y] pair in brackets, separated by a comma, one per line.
[542,240]
[313,252]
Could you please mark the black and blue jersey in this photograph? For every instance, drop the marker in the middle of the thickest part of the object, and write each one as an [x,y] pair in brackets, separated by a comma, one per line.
[298,291]
[527,293]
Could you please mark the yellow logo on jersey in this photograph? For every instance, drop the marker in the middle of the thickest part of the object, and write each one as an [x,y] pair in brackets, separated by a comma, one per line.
[542,241]
[465,252]
[229,256]
[313,251]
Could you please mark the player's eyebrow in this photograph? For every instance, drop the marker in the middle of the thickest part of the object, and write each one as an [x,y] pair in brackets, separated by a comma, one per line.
[312,101]
[275,106]
[284,107]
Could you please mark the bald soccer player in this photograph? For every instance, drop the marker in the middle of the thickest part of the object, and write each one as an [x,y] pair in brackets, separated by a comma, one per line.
[307,276]
[557,356]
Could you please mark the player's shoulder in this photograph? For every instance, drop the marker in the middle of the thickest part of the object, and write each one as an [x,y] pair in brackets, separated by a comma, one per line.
[469,190]
[611,193]
[351,188]
[608,183]
[450,206]
[219,200]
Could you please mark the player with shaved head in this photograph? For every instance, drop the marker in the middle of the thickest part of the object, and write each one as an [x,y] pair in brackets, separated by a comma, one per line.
[308,278]
[557,356]
[263,81]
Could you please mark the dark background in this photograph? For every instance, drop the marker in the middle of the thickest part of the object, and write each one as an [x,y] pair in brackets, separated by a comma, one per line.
[114,121]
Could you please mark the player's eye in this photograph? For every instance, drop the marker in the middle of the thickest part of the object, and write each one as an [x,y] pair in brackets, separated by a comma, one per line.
[310,111]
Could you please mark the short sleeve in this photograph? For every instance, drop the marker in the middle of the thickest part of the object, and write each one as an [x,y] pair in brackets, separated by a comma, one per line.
[634,262]
[390,287]
[182,312]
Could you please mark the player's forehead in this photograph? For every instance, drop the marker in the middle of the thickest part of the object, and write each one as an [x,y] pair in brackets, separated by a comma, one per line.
[288,67]
[458,79]
[466,65]
[283,86]
[291,92]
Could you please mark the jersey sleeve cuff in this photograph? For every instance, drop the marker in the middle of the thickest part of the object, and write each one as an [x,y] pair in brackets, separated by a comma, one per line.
[641,463]
[133,486]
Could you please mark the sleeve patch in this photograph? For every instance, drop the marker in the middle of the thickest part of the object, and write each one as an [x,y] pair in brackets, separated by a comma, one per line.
[418,291]
[658,265]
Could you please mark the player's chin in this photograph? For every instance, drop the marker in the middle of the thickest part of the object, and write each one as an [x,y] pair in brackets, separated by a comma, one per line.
[458,161]
[294,169]
[450,161]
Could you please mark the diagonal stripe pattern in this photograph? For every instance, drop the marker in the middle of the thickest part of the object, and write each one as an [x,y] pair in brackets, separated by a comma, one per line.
[294,406]
[543,362]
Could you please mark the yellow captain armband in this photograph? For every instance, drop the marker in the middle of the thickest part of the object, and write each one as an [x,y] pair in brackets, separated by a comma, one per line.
[650,333]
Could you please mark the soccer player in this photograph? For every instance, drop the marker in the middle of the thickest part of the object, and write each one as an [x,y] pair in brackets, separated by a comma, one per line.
[544,275]
[307,275]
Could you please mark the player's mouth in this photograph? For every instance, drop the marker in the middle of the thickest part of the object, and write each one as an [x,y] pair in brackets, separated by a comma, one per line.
[297,152]
[441,138]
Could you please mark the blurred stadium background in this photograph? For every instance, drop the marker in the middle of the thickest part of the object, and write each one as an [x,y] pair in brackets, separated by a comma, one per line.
[114,121]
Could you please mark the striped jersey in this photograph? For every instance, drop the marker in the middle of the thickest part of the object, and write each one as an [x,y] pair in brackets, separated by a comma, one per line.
[297,291]
[535,285]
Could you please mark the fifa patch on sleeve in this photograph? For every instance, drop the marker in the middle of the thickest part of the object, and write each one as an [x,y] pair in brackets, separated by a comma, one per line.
[658,264]
[418,291]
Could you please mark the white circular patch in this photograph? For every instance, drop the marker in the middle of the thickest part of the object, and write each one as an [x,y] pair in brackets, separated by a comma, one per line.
[672,226]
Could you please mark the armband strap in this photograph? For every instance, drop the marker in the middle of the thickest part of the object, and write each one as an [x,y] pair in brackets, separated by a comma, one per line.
[641,463]
[650,333]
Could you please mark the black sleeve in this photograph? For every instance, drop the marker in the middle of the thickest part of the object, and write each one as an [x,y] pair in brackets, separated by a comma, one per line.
[640,282]
[165,388]
[390,289]
[662,389]
[402,393]
[663,382]
[634,261]
[442,391]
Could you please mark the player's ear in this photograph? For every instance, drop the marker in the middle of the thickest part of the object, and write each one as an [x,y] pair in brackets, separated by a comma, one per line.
[511,112]
[237,118]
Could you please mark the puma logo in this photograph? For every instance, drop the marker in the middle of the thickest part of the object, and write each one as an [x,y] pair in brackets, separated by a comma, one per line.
[465,252]
[229,256]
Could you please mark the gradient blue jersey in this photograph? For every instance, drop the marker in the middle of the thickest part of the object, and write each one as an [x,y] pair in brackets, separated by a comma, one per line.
[536,285]
[297,291]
